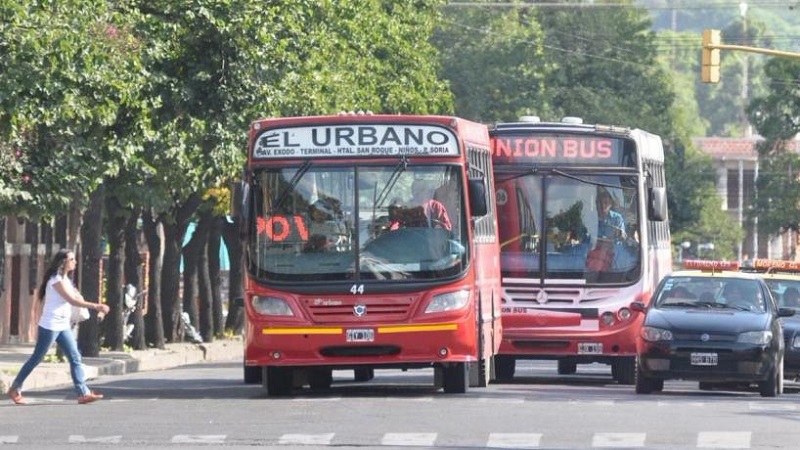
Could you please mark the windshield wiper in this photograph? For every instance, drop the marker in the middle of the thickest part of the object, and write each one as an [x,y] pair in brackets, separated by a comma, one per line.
[291,185]
[682,304]
[400,168]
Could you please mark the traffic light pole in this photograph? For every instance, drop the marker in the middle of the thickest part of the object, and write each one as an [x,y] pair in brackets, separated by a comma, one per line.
[712,45]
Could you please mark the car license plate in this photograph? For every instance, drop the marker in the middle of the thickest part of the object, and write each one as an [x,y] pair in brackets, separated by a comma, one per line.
[360,335]
[590,348]
[704,359]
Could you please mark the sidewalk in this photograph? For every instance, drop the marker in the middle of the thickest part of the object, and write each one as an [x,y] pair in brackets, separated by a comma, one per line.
[50,375]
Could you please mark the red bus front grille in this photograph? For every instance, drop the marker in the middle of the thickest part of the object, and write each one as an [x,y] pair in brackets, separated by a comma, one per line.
[359,310]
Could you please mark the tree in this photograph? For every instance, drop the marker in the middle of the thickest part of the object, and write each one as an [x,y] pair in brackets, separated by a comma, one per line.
[776,116]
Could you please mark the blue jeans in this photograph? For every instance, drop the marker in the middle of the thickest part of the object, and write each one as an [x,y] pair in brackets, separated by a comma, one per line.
[65,340]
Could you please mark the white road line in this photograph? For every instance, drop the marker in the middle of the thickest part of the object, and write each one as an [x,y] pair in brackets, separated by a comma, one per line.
[306,439]
[680,403]
[512,401]
[514,440]
[618,440]
[412,399]
[198,439]
[315,400]
[772,406]
[723,439]
[81,439]
[9,439]
[409,439]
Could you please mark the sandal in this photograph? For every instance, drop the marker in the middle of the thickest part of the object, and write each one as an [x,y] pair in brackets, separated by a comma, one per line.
[16,397]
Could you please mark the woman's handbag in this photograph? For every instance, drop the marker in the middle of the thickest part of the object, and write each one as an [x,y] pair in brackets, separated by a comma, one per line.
[79,314]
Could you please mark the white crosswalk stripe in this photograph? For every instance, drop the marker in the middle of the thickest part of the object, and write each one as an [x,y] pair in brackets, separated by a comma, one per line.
[409,439]
[619,440]
[9,439]
[306,439]
[723,439]
[514,440]
[81,439]
[198,439]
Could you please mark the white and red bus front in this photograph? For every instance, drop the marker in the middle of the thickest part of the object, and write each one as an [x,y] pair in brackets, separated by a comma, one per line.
[574,244]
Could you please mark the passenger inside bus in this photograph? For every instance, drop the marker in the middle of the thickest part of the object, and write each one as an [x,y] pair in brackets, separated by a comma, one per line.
[327,231]
[610,224]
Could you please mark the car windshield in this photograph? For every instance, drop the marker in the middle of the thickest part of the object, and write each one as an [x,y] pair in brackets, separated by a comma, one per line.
[390,222]
[785,291]
[711,292]
[557,225]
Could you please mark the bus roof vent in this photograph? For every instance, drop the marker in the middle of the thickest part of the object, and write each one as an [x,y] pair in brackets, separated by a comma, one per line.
[532,119]
[572,119]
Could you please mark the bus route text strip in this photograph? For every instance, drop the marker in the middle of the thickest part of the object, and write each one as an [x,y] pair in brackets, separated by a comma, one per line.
[355,140]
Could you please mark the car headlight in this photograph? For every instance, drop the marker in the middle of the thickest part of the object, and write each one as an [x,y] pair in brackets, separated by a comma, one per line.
[448,302]
[653,334]
[796,342]
[271,306]
[755,337]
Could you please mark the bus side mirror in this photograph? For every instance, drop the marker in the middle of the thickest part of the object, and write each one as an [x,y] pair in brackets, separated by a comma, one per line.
[477,197]
[240,207]
[657,205]
[238,302]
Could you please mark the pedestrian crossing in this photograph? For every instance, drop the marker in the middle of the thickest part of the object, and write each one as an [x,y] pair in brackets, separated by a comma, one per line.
[499,440]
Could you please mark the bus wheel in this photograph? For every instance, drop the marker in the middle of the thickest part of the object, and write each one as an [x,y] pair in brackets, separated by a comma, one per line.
[567,366]
[480,372]
[625,370]
[252,374]
[320,378]
[504,367]
[455,378]
[364,374]
[277,381]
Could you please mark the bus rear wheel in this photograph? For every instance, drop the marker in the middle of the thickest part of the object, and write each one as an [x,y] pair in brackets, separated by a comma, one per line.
[252,374]
[363,374]
[623,370]
[567,366]
[320,378]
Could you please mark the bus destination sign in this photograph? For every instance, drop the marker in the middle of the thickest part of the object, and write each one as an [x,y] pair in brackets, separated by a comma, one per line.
[355,140]
[551,149]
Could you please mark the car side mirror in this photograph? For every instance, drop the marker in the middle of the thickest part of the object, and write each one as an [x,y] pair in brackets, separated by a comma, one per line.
[477,197]
[786,312]
[657,205]
[638,306]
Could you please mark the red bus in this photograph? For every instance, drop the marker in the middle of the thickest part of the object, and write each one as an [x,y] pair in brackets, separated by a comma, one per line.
[371,242]
[583,233]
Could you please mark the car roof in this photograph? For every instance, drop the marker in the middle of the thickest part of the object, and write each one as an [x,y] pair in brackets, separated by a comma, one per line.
[716,274]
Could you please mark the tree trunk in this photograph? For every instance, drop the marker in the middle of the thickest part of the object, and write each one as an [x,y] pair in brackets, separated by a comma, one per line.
[191,261]
[91,258]
[170,288]
[114,326]
[203,231]
[154,324]
[230,234]
[134,275]
[214,276]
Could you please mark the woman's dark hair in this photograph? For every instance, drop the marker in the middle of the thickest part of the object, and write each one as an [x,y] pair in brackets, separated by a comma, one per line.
[58,262]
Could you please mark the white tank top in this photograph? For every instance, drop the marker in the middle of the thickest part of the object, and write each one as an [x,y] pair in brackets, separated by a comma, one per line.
[56,311]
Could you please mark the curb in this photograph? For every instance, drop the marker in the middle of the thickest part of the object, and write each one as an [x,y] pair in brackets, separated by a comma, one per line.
[49,375]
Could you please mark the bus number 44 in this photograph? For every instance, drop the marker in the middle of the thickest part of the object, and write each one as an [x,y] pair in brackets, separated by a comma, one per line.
[357,289]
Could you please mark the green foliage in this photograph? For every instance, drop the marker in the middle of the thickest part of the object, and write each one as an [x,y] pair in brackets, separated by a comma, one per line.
[493,60]
[64,78]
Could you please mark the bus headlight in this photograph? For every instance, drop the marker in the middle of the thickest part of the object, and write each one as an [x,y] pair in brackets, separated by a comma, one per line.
[653,334]
[271,306]
[607,318]
[448,302]
[755,337]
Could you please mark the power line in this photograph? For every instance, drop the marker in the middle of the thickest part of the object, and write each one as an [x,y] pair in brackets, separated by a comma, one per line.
[682,6]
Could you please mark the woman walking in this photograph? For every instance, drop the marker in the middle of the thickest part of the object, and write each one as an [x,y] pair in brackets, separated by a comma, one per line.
[59,297]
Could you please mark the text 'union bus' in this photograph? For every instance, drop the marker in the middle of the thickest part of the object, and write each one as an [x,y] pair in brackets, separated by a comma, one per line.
[583,233]
[371,242]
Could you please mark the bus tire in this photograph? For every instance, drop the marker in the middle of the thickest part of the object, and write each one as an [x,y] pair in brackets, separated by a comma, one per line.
[455,378]
[567,366]
[320,378]
[625,372]
[277,381]
[504,367]
[252,374]
[363,374]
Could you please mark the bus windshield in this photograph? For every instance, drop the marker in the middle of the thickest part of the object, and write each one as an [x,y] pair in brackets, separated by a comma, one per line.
[569,226]
[357,222]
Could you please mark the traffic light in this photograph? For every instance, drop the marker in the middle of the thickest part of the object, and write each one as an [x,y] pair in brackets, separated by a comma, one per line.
[709,72]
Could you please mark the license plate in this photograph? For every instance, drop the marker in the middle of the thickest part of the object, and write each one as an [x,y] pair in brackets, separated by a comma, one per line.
[360,335]
[704,359]
[590,348]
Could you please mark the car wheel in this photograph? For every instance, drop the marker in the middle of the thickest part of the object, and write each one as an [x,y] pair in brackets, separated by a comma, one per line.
[706,386]
[780,377]
[769,387]
[645,385]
